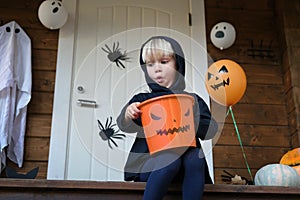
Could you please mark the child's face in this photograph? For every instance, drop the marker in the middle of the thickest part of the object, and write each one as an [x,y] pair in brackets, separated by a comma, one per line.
[162,69]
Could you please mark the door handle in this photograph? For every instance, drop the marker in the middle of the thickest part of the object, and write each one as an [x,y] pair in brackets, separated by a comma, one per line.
[88,103]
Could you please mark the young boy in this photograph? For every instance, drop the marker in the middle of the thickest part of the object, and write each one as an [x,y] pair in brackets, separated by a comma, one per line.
[162,61]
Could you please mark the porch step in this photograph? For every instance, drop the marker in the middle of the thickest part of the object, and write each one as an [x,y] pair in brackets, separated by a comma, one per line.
[56,189]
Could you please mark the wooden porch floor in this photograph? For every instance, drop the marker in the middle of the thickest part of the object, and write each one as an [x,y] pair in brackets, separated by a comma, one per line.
[55,189]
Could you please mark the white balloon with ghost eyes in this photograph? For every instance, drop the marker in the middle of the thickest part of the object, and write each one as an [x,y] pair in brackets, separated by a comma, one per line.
[52,14]
[222,35]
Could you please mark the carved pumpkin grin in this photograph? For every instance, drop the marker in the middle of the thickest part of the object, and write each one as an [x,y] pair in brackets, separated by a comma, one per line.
[223,83]
[173,130]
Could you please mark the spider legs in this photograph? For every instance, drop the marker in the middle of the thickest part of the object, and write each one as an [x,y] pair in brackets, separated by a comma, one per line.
[117,136]
[111,140]
[108,123]
[101,127]
[118,63]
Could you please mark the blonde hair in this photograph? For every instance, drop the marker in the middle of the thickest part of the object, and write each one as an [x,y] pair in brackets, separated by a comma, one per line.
[156,48]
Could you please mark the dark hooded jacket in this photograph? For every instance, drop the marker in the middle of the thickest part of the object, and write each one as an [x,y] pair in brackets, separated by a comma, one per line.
[205,126]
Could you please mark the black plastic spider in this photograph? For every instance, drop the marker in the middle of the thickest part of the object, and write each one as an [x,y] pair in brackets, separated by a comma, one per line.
[115,54]
[108,132]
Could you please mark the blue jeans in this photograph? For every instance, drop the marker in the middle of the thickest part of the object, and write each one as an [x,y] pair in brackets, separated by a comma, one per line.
[160,170]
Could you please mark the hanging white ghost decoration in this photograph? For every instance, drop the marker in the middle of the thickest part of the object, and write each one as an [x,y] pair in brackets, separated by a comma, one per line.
[15,90]
[222,35]
[52,14]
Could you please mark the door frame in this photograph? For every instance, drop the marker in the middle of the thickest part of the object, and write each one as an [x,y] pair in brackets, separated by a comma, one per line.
[61,115]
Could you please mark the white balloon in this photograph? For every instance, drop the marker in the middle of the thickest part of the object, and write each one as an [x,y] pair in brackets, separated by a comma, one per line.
[222,35]
[52,14]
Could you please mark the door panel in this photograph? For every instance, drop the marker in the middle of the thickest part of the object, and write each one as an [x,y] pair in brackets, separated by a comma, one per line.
[105,86]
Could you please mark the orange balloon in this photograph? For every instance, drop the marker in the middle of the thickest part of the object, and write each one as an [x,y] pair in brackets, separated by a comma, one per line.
[226,82]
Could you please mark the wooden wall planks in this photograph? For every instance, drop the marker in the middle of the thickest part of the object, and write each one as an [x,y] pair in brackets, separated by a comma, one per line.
[261,114]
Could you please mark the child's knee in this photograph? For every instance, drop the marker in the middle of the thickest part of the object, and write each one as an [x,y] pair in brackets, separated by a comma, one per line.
[193,161]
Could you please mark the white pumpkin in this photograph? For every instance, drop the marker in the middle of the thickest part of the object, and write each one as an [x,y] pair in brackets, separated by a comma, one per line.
[277,175]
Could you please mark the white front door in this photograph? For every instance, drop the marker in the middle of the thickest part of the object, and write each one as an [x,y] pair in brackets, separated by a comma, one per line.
[101,84]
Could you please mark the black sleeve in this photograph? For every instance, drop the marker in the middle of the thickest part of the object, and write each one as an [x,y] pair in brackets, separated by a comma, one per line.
[206,126]
[133,126]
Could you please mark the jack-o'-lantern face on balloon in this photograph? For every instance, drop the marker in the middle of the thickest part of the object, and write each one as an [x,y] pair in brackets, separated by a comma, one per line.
[226,82]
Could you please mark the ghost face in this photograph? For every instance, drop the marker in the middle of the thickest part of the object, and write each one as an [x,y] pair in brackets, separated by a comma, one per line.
[223,35]
[55,6]
[52,14]
[226,82]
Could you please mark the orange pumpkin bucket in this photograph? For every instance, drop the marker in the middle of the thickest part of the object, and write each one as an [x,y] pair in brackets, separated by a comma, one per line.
[168,122]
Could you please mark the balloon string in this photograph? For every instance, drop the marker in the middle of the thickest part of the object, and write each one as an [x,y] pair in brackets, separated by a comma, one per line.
[240,141]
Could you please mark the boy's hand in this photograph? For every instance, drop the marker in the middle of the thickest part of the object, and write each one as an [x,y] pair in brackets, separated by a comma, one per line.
[132,111]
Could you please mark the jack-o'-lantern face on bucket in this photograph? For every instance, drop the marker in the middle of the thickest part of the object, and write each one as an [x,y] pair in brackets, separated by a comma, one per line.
[168,122]
[226,82]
